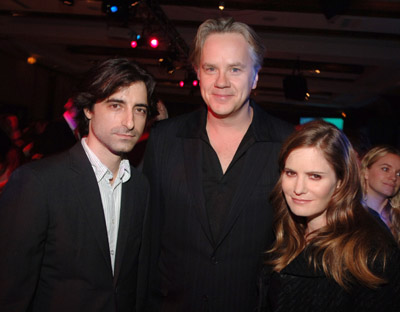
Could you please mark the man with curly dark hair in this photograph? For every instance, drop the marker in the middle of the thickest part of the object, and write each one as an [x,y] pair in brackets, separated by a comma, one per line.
[70,225]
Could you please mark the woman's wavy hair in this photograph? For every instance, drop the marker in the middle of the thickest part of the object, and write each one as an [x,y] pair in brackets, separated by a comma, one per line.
[393,207]
[351,242]
[106,78]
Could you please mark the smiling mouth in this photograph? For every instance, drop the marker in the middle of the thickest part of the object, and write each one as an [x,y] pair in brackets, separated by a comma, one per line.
[390,185]
[222,95]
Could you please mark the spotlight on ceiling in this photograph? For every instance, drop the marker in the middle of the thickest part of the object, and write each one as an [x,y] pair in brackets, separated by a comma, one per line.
[136,40]
[68,2]
[31,59]
[153,41]
[168,64]
[116,9]
[192,78]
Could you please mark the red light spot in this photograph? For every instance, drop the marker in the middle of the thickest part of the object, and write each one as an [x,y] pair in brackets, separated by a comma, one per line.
[195,83]
[154,42]
[181,83]
[133,43]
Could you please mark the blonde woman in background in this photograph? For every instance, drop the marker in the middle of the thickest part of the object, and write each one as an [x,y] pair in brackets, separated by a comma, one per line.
[380,172]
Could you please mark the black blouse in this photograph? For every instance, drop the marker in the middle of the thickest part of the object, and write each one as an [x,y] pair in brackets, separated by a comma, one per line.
[298,287]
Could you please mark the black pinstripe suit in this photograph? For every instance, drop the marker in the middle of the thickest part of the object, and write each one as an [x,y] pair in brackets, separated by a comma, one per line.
[55,253]
[188,271]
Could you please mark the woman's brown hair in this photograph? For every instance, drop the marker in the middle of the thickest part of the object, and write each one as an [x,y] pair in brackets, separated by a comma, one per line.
[352,242]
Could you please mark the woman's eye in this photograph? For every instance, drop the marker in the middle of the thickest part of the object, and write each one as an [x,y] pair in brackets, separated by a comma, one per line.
[315,176]
[290,173]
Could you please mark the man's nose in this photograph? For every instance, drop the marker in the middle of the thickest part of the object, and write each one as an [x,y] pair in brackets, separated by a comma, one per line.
[222,81]
[128,120]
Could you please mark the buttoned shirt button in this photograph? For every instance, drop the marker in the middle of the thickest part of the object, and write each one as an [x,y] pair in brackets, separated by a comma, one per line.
[214,260]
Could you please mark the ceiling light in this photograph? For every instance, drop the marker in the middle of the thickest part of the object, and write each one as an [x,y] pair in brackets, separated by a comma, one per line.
[153,42]
[31,60]
[68,2]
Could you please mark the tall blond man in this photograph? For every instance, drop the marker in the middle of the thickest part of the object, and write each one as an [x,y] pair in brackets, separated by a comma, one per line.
[211,172]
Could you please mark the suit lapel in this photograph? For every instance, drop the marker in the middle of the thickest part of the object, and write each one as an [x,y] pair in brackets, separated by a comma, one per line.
[88,193]
[126,215]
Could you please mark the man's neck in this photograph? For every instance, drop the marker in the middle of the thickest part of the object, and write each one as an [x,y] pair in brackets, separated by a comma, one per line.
[225,134]
[110,160]
[238,122]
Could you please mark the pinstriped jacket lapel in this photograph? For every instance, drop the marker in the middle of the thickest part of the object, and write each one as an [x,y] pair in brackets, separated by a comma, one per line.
[88,193]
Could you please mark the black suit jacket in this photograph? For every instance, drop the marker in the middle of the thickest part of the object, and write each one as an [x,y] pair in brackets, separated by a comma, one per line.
[55,254]
[187,270]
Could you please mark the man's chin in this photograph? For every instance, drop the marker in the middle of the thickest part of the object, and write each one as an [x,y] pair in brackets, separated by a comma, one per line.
[121,150]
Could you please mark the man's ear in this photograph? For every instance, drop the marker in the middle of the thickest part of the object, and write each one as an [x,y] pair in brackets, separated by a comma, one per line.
[255,81]
[87,113]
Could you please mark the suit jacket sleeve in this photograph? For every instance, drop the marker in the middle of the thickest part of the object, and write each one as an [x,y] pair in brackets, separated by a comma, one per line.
[152,223]
[23,224]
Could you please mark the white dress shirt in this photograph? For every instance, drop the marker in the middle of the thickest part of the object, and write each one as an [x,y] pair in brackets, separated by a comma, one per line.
[110,195]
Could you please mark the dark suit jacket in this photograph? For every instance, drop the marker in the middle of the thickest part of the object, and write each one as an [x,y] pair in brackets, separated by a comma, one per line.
[55,254]
[188,271]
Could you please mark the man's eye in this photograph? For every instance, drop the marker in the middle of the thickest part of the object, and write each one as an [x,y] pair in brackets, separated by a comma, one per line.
[235,70]
[141,111]
[386,169]
[115,105]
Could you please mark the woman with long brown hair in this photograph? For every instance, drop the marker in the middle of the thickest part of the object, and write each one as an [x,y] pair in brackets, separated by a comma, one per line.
[330,254]
[380,180]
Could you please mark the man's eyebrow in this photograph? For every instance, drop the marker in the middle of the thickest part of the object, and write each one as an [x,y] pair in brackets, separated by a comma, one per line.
[114,100]
[238,64]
